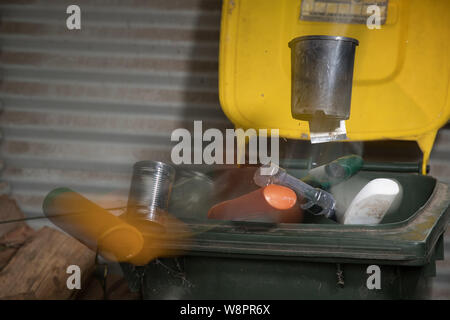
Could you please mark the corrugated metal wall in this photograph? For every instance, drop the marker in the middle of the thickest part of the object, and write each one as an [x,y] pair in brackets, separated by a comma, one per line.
[80,107]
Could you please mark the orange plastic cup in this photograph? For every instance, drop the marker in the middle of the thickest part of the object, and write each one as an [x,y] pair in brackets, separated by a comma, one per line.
[92,225]
[161,238]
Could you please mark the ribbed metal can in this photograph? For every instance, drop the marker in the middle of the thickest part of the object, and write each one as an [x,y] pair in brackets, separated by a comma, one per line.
[150,189]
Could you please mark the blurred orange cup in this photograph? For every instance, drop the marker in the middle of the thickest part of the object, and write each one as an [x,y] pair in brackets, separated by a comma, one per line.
[92,225]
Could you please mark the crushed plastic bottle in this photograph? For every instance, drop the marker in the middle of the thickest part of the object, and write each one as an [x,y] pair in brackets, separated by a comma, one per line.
[274,174]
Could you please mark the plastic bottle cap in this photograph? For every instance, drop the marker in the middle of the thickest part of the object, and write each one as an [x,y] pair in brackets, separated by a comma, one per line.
[280,197]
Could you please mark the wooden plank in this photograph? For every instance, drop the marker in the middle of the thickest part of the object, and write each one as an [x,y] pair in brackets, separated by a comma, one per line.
[12,241]
[38,269]
[9,211]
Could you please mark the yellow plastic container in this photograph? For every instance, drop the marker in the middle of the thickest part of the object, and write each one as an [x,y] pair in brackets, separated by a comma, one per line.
[401,78]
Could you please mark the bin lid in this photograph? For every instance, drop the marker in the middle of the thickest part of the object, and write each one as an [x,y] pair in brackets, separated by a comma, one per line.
[401,76]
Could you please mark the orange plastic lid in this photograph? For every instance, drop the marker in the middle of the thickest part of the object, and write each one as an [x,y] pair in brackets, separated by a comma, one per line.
[280,197]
